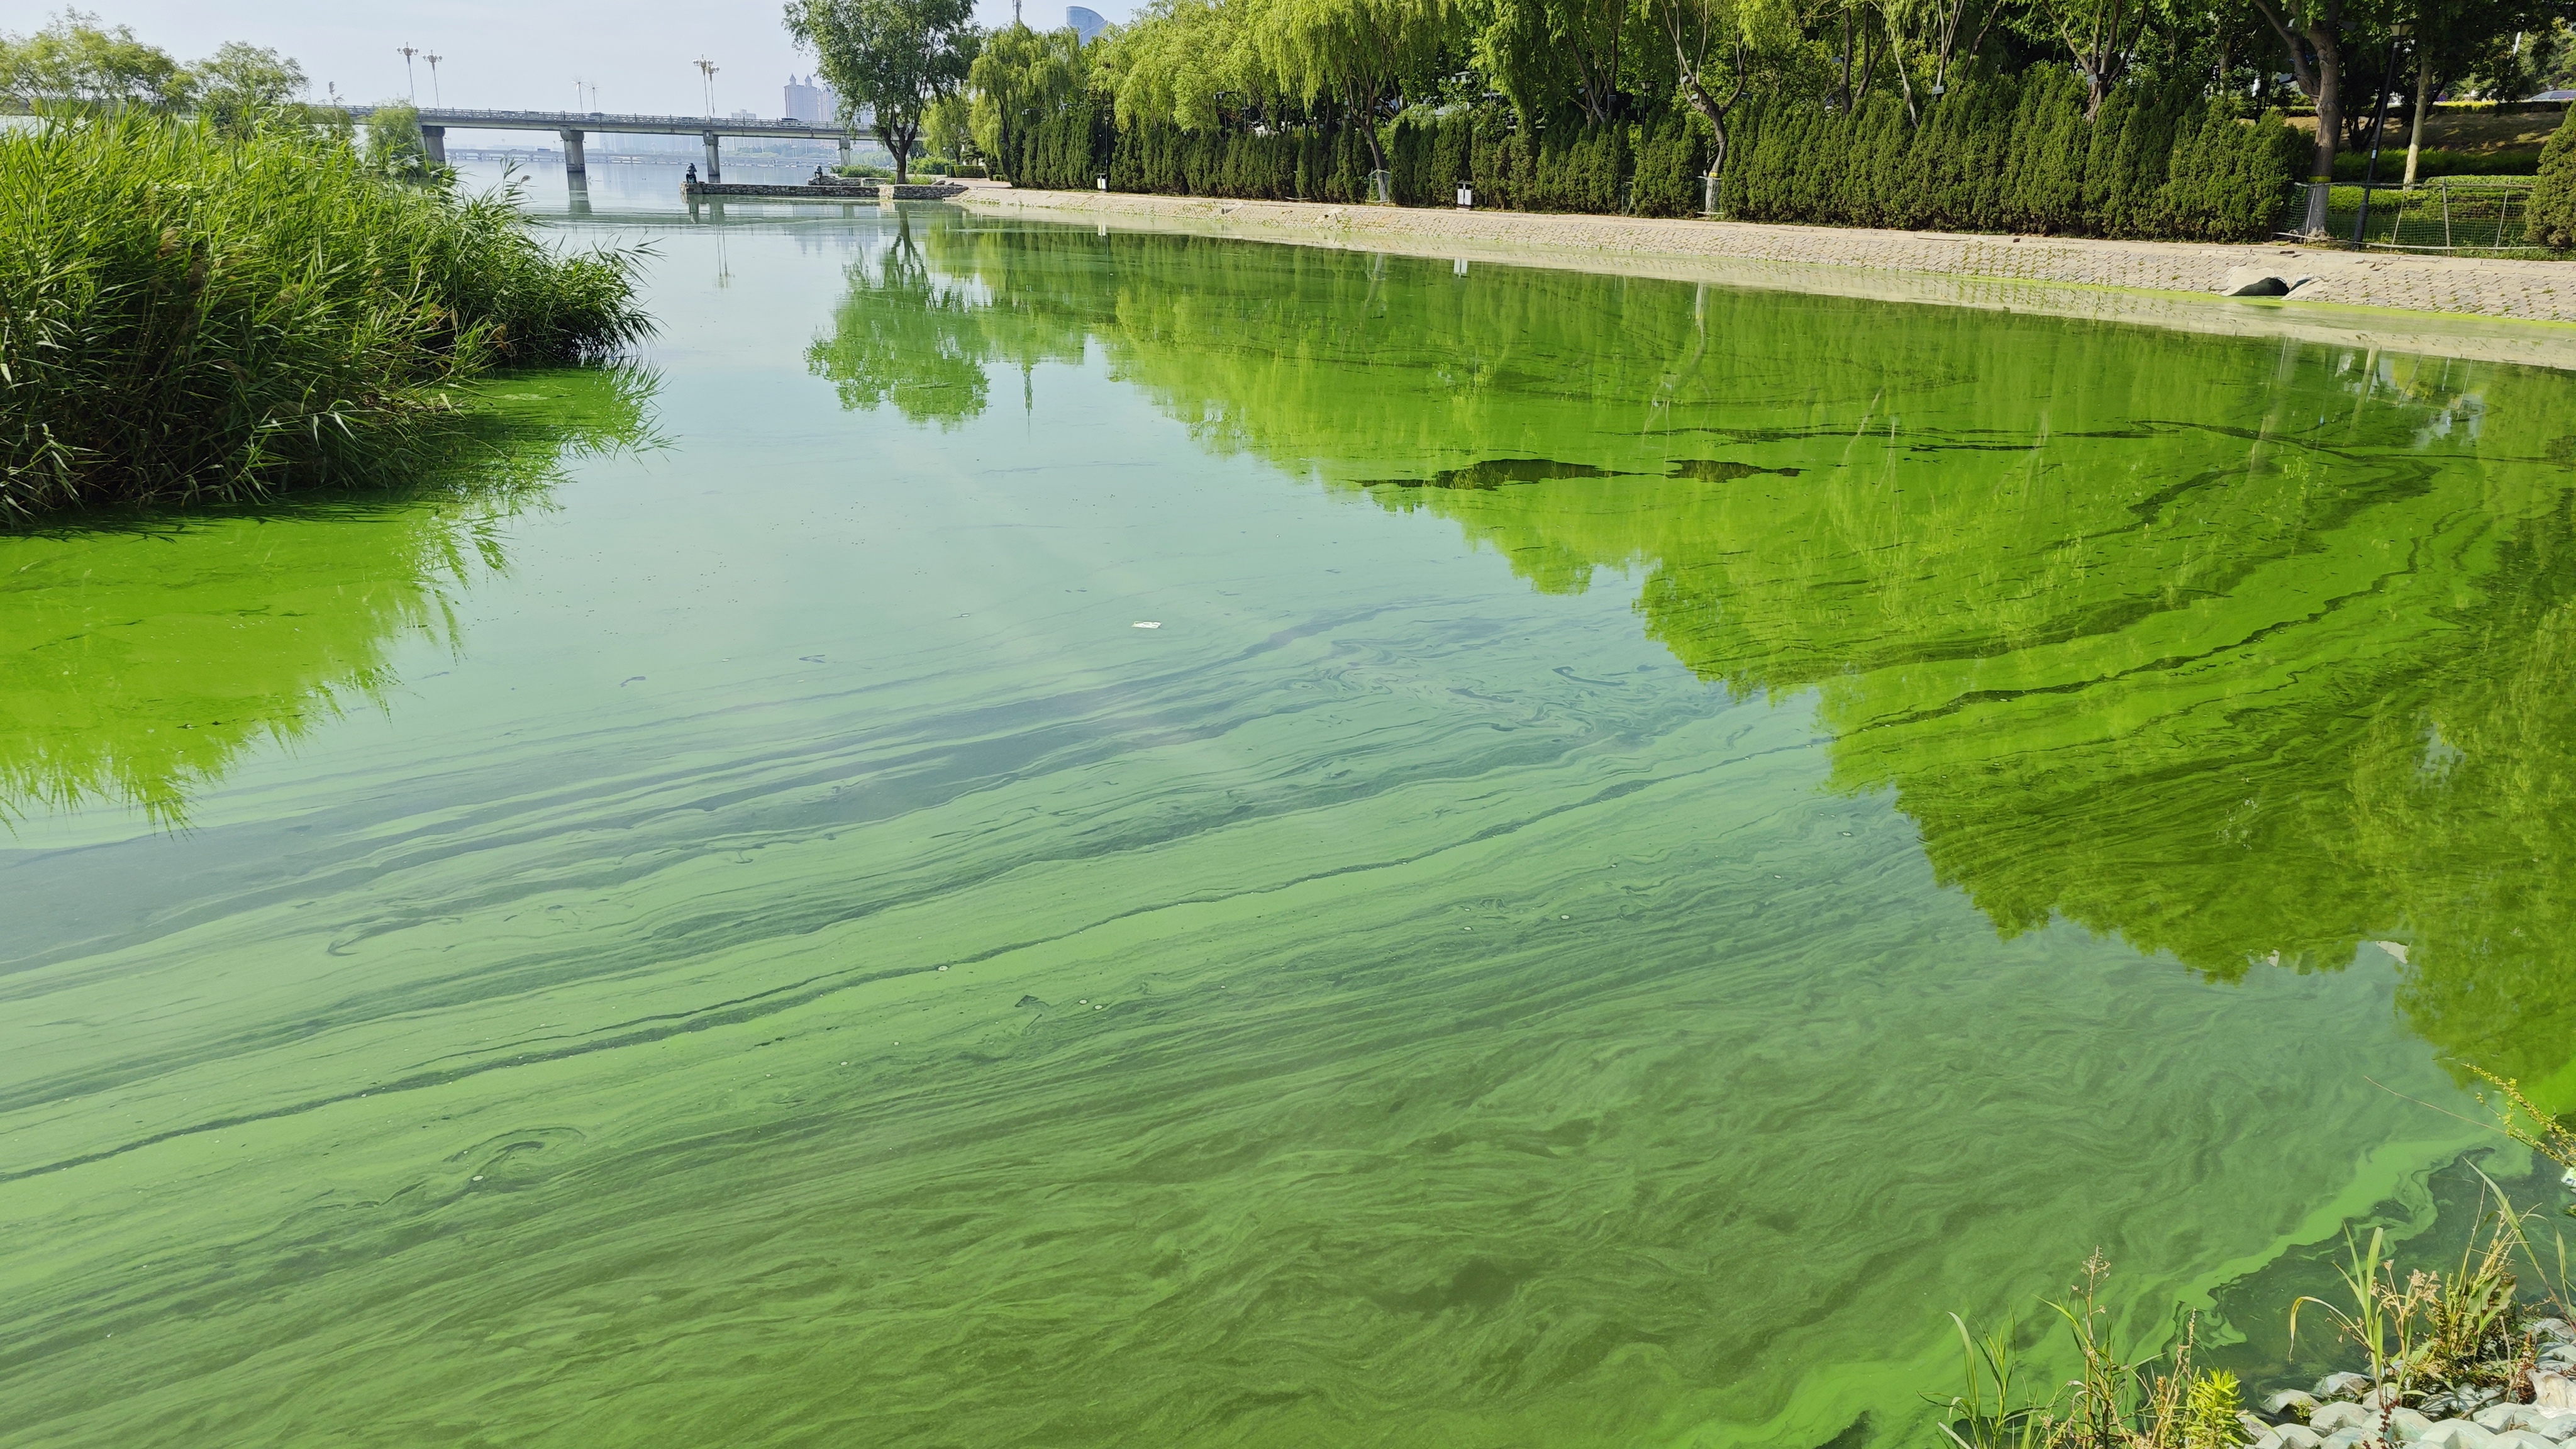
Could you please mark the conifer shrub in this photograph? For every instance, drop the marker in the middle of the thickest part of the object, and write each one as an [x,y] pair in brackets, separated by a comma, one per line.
[1647,169]
[1057,152]
[2016,154]
[1670,157]
[2229,176]
[2002,153]
[2552,216]
[187,314]
[1310,164]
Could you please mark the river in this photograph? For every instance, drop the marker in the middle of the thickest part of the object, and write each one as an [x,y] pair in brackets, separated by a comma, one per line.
[1030,837]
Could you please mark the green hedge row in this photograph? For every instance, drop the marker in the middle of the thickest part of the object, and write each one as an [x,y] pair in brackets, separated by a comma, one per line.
[1294,165]
[1646,170]
[1652,170]
[2015,154]
[1057,152]
[2002,154]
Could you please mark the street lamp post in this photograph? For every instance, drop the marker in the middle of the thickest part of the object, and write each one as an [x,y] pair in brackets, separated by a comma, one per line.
[435,98]
[707,69]
[410,84]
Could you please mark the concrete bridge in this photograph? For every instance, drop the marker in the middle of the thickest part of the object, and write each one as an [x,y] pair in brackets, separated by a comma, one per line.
[574,126]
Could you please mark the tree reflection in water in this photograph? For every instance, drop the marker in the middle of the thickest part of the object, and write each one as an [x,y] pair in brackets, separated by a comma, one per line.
[140,673]
[2258,654]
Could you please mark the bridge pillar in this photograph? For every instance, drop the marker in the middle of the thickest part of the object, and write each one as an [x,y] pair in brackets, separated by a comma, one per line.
[845,148]
[434,139]
[715,160]
[573,165]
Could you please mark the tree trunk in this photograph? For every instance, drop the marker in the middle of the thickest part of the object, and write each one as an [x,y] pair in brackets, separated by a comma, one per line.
[1847,57]
[1904,78]
[2096,90]
[2101,56]
[2318,69]
[1716,118]
[1607,102]
[1707,105]
[1363,114]
[901,144]
[2329,108]
[2423,103]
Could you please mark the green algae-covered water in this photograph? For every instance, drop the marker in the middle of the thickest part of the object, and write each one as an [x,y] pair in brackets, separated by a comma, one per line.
[1037,838]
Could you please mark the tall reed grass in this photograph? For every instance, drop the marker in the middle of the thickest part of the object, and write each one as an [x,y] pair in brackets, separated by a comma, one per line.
[2120,1397]
[188,315]
[2441,1343]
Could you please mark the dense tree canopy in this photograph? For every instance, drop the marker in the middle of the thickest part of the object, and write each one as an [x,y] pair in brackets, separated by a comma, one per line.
[75,59]
[897,58]
[239,81]
[78,62]
[1563,68]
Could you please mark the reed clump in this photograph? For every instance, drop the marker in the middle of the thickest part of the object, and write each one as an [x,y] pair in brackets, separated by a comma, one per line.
[192,314]
[2491,1343]
[2437,1341]
[2119,1399]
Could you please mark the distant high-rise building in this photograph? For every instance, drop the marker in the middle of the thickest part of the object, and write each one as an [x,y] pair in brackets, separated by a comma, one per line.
[1085,22]
[811,102]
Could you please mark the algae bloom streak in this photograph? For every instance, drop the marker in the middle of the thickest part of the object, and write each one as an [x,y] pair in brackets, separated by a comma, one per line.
[1664,840]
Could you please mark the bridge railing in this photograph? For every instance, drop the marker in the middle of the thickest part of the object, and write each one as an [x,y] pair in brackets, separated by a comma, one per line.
[465,119]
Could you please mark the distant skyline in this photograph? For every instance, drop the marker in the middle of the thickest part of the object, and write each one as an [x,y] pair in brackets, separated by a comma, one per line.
[522,55]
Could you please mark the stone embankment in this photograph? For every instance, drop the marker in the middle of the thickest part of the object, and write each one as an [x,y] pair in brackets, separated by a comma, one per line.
[2346,1412]
[2468,307]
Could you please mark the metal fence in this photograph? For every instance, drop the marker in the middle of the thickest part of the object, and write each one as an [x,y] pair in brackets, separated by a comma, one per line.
[2466,214]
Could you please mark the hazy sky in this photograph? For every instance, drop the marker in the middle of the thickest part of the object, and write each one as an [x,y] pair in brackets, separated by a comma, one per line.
[523,55]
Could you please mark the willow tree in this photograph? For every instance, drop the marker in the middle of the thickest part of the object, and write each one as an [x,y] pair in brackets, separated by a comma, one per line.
[1355,53]
[76,60]
[1542,54]
[894,57]
[1021,79]
[1181,59]
[240,82]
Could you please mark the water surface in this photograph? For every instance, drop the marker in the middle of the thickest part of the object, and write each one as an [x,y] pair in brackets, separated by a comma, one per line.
[1662,839]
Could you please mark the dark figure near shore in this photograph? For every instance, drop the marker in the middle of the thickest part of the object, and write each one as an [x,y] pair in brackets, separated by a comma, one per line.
[692,177]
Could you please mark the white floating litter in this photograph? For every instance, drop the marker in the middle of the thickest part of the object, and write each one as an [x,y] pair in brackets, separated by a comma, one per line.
[1149,623]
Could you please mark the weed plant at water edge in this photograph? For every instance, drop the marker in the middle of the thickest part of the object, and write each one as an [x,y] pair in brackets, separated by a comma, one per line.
[187,315]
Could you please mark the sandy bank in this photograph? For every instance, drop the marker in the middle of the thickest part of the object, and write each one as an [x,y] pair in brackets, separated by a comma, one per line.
[2505,311]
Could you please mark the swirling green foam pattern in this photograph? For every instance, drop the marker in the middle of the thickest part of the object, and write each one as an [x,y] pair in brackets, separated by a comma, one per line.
[1135,840]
